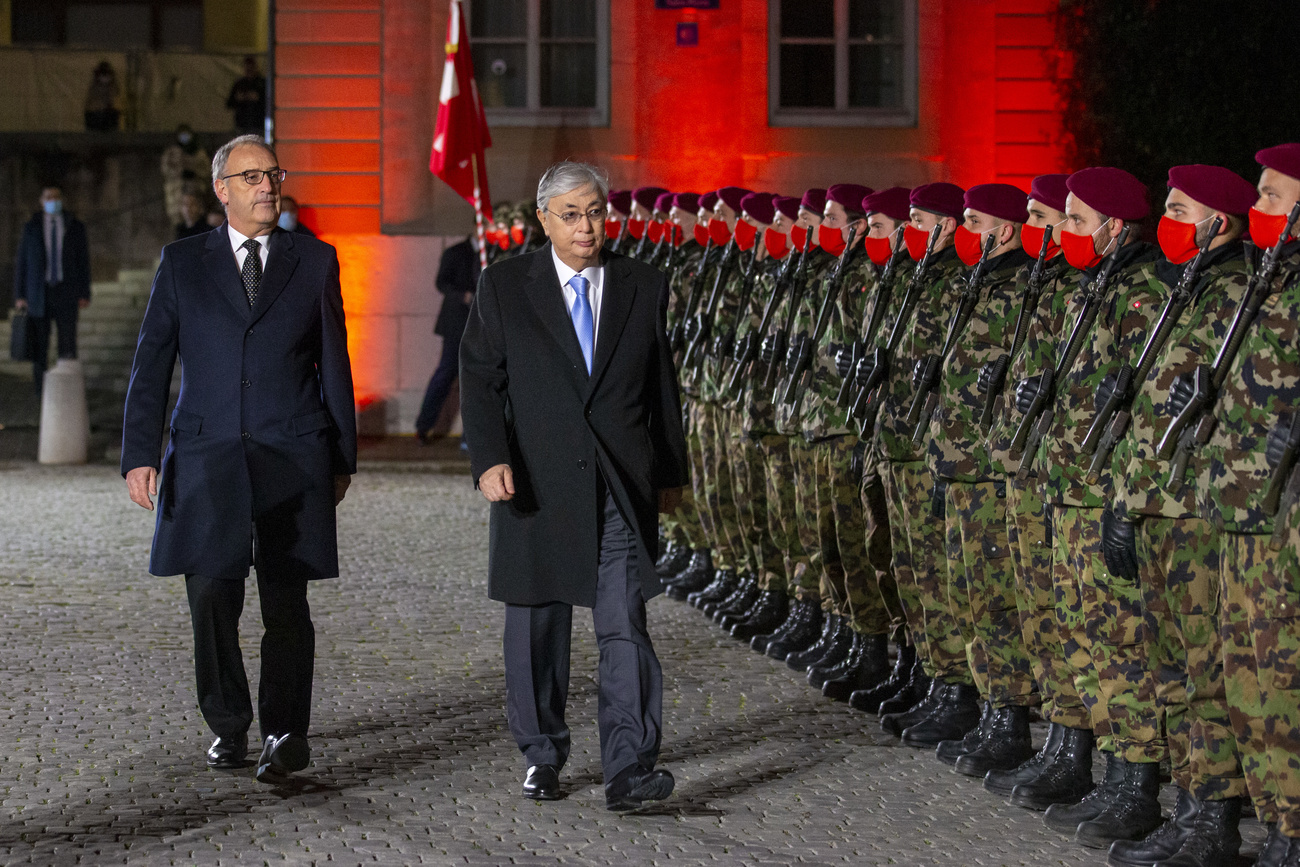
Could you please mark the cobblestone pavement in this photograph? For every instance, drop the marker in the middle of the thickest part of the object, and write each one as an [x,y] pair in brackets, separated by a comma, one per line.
[412,762]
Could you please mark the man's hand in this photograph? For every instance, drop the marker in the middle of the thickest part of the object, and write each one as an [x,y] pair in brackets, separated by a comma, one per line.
[141,484]
[497,483]
[669,498]
[467,297]
[20,304]
[341,487]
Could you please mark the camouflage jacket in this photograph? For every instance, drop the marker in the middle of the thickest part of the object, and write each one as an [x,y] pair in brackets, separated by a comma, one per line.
[1132,301]
[753,402]
[820,264]
[713,369]
[1264,382]
[1142,483]
[685,262]
[822,416]
[922,336]
[1037,353]
[696,269]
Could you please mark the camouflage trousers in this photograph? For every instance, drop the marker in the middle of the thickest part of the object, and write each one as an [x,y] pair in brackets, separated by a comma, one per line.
[711,482]
[916,540]
[982,593]
[749,484]
[1076,563]
[1028,536]
[875,506]
[682,526]
[1260,627]
[806,585]
[1179,560]
[782,518]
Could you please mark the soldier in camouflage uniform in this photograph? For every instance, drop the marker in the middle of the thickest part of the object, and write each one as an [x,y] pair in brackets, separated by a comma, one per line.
[1156,535]
[1103,635]
[620,204]
[643,214]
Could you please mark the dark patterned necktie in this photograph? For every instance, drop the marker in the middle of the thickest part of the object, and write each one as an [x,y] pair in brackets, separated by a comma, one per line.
[252,273]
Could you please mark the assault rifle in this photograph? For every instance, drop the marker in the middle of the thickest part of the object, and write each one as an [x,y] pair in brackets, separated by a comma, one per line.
[781,336]
[1110,425]
[689,301]
[747,350]
[1194,425]
[703,323]
[864,408]
[1038,419]
[802,375]
[884,289]
[926,397]
[1033,292]
[725,340]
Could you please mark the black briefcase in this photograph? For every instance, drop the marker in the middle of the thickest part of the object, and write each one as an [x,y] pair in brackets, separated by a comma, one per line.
[20,337]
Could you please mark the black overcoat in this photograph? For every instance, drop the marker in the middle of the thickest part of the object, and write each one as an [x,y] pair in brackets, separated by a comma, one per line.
[527,401]
[458,272]
[29,267]
[265,418]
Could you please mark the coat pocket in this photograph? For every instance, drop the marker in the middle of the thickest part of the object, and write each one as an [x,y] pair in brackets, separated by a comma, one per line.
[311,422]
[184,420]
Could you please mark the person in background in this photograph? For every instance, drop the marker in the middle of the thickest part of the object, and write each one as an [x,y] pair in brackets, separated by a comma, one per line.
[248,99]
[102,112]
[185,167]
[191,222]
[457,277]
[289,217]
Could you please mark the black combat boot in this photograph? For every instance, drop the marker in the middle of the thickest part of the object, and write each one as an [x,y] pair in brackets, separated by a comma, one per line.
[1006,745]
[728,619]
[835,634]
[696,576]
[737,586]
[738,602]
[917,688]
[1067,777]
[868,669]
[870,700]
[835,653]
[818,672]
[803,634]
[1214,839]
[1274,851]
[673,560]
[951,720]
[768,612]
[1161,843]
[1002,782]
[949,752]
[814,645]
[724,582]
[1067,818]
[895,723]
[1133,813]
[798,613]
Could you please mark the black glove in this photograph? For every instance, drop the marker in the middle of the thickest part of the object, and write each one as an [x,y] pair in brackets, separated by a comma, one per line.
[984,383]
[744,347]
[1119,546]
[793,353]
[1105,391]
[1180,395]
[866,367]
[844,362]
[767,350]
[693,326]
[722,344]
[1027,392]
[858,464]
[918,371]
[1278,440]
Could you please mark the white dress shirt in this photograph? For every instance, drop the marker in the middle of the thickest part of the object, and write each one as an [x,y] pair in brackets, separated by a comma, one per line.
[237,244]
[596,284]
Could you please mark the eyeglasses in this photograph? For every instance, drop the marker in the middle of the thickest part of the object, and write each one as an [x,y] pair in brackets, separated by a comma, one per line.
[253,177]
[571,218]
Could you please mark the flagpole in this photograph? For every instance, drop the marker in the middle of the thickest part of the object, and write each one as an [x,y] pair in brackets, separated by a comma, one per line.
[478,213]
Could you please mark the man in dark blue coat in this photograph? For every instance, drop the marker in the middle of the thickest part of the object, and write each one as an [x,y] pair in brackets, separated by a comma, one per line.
[570,405]
[262,447]
[52,278]
[457,276]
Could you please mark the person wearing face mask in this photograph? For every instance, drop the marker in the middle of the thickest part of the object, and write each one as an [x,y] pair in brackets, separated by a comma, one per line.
[1101,622]
[289,218]
[620,203]
[102,110]
[643,222]
[52,279]
[185,166]
[1028,525]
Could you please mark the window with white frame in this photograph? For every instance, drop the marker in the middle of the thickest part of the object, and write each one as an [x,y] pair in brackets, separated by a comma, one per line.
[842,62]
[541,61]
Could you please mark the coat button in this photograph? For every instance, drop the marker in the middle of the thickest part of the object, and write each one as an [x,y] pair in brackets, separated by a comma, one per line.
[582,465]
[247,383]
[587,412]
[248,333]
[246,435]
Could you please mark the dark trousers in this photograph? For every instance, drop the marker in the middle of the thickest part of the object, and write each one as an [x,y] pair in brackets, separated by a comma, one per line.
[61,312]
[629,712]
[439,384]
[288,655]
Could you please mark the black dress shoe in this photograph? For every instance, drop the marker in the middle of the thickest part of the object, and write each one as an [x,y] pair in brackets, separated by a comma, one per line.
[632,788]
[542,783]
[229,752]
[282,755]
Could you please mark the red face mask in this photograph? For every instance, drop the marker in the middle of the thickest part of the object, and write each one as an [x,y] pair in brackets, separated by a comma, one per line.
[1032,238]
[517,234]
[612,228]
[1080,250]
[701,234]
[746,234]
[719,232]
[915,239]
[969,245]
[676,236]
[1177,240]
[777,244]
[1266,229]
[830,240]
[799,237]
[655,231]
[879,249]
[636,228]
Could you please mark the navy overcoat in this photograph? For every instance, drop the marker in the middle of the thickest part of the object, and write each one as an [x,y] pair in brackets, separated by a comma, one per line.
[29,266]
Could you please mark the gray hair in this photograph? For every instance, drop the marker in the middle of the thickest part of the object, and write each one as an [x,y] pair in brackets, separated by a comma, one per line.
[223,153]
[568,176]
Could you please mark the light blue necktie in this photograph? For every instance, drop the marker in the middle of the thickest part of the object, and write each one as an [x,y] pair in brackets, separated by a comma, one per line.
[583,321]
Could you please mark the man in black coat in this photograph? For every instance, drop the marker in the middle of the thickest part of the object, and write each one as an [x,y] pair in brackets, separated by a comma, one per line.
[52,278]
[570,405]
[262,447]
[457,276]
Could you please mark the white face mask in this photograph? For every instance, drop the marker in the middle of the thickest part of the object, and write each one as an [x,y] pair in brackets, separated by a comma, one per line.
[185,138]
[287,221]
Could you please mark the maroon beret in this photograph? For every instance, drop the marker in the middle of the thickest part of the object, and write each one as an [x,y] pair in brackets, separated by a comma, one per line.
[1050,190]
[1215,187]
[708,200]
[814,200]
[664,202]
[893,203]
[759,206]
[620,200]
[731,196]
[1284,158]
[787,205]
[687,202]
[645,196]
[849,196]
[1112,192]
[1003,201]
[943,198]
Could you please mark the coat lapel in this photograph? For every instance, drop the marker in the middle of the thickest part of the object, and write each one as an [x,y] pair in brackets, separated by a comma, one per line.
[219,265]
[281,260]
[615,306]
[547,298]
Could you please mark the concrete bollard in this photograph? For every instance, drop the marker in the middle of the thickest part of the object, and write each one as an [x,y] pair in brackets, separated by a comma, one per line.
[65,420]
